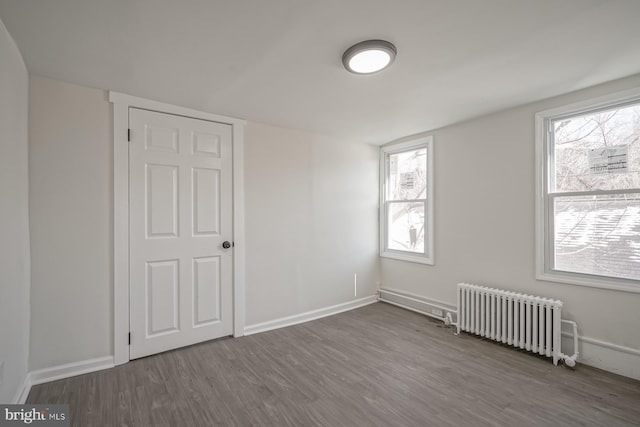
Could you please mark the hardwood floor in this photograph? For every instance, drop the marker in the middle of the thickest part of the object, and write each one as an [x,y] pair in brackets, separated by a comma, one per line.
[376,366]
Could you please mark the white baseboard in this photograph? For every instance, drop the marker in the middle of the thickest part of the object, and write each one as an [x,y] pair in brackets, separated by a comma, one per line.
[417,303]
[309,315]
[61,372]
[70,370]
[23,392]
[604,355]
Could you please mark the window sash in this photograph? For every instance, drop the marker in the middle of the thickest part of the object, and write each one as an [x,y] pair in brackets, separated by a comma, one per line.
[553,213]
[404,200]
[545,194]
[550,143]
[425,257]
[551,196]
[594,193]
[407,201]
[387,209]
[387,170]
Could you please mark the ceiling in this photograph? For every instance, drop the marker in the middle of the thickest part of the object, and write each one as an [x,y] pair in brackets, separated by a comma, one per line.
[279,61]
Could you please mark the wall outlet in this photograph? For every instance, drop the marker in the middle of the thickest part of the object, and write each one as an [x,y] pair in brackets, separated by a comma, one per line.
[436,312]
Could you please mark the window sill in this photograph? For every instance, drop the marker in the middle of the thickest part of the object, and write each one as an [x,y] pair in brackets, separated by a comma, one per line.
[623,285]
[406,257]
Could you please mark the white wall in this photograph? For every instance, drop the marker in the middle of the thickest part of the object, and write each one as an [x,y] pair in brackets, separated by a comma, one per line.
[70,182]
[311,221]
[14,220]
[484,228]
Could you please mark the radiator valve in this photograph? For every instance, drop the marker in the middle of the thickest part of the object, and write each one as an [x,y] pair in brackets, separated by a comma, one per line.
[448,319]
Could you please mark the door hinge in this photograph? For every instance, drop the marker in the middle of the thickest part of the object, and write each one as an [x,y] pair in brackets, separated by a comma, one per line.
[129,135]
[129,338]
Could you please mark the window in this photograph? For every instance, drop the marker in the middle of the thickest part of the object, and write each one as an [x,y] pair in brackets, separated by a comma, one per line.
[589,193]
[406,201]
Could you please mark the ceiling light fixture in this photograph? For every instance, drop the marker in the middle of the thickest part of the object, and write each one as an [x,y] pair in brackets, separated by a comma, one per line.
[369,56]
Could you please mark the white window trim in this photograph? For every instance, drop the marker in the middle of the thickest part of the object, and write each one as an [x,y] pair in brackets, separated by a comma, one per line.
[543,239]
[121,105]
[392,148]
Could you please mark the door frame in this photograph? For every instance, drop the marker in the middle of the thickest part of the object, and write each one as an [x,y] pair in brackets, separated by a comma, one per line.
[121,309]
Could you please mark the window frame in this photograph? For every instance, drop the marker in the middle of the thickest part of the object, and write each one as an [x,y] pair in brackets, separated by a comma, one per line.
[544,221]
[427,257]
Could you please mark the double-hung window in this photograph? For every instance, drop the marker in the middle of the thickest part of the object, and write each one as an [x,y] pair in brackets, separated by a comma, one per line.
[588,195]
[406,201]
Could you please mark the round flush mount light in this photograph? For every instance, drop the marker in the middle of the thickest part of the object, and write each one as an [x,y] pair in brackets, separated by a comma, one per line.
[369,56]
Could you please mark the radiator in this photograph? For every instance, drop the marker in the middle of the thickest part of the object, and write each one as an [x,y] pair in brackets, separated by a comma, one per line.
[527,322]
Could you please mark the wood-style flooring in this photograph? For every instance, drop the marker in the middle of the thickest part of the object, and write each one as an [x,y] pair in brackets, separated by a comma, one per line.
[378,365]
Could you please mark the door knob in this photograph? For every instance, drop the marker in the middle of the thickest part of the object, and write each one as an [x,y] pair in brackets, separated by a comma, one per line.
[226,244]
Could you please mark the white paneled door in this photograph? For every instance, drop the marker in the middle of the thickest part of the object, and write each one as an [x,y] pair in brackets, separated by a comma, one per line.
[181,255]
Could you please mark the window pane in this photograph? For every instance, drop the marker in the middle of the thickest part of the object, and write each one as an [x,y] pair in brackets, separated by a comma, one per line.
[598,151]
[406,226]
[598,235]
[408,175]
